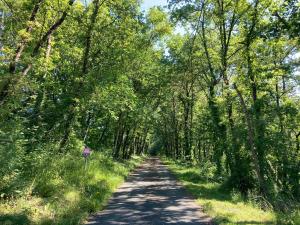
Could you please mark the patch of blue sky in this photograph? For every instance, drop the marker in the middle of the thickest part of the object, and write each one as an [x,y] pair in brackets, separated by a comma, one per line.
[147,4]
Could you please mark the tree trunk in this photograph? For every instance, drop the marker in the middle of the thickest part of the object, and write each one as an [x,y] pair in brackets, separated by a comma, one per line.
[251,140]
[23,43]
[6,88]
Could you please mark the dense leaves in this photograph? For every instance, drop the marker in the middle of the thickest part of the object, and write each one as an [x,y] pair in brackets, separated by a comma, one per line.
[233,95]
[224,93]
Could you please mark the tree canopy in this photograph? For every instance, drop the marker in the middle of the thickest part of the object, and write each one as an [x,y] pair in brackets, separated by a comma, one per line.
[223,92]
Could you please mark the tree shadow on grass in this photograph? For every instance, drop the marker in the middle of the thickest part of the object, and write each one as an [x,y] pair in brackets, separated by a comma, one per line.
[192,176]
[254,222]
[203,188]
[200,191]
[225,219]
[15,219]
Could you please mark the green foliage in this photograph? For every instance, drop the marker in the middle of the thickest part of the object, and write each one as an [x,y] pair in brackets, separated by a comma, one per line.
[226,207]
[223,95]
[158,20]
[64,192]
[231,102]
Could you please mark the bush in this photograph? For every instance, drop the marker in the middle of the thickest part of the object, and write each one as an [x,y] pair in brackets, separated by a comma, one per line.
[60,190]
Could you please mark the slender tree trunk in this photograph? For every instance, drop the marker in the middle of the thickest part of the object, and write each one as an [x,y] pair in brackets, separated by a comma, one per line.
[297,143]
[175,124]
[106,126]
[67,130]
[251,140]
[20,48]
[219,132]
[88,39]
[93,18]
[119,135]
[5,90]
[125,142]
[232,153]
[23,43]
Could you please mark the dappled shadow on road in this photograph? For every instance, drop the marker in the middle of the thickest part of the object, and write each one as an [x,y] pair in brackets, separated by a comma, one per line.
[151,196]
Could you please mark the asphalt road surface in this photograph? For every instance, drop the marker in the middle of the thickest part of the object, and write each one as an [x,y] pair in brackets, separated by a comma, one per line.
[151,196]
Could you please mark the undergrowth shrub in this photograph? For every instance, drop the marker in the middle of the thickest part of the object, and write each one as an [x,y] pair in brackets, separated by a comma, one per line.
[57,188]
[207,170]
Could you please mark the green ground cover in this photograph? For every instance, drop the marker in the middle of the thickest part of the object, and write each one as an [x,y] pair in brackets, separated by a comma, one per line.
[225,206]
[66,192]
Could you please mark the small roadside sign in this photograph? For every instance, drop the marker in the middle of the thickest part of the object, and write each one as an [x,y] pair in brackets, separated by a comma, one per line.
[86,152]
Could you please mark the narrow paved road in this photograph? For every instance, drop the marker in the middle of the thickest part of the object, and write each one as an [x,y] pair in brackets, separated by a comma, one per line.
[151,195]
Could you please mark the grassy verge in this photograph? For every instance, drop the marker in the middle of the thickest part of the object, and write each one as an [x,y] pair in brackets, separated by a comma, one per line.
[65,192]
[224,206]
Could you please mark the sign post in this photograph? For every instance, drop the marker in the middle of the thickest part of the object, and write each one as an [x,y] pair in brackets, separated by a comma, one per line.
[86,153]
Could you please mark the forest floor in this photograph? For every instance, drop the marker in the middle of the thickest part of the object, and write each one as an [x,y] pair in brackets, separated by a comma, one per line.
[151,195]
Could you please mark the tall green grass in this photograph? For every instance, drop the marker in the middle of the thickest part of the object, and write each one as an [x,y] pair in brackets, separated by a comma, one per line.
[62,190]
[225,206]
